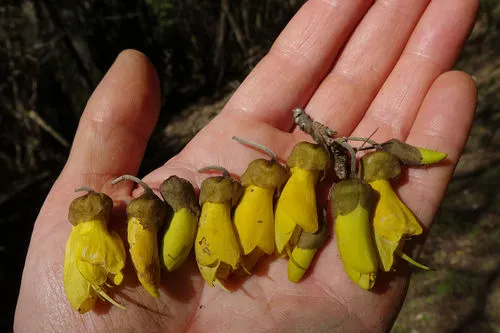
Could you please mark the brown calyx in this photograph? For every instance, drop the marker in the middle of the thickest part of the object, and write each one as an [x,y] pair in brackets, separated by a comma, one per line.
[91,206]
[148,209]
[179,193]
[220,189]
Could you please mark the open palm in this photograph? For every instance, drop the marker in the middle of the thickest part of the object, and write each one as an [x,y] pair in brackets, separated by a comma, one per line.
[356,66]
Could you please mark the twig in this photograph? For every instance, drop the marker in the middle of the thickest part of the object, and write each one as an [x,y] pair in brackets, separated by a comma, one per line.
[10,79]
[220,36]
[342,160]
[234,26]
[319,132]
[84,189]
[23,187]
[47,128]
[369,137]
[352,153]
[58,23]
[224,171]
[134,179]
[338,149]
[121,17]
[365,140]
[256,145]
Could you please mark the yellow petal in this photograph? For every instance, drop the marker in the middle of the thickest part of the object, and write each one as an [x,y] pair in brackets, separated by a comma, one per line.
[364,280]
[386,249]
[118,279]
[249,261]
[431,156]
[99,247]
[117,256]
[392,223]
[96,275]
[412,261]
[299,262]
[209,273]
[144,254]
[286,235]
[212,274]
[254,220]
[92,256]
[179,238]
[355,242]
[297,202]
[78,290]
[100,291]
[392,218]
[295,208]
[215,240]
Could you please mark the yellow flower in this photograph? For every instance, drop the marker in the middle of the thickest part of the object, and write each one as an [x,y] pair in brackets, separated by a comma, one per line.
[254,216]
[145,214]
[393,222]
[254,220]
[351,207]
[216,247]
[296,206]
[180,234]
[303,254]
[144,254]
[93,256]
[410,155]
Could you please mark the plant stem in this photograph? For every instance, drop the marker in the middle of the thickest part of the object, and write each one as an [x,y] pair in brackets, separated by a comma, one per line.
[135,180]
[224,171]
[268,151]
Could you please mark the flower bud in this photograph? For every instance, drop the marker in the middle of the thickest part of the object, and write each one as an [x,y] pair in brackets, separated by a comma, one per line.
[410,155]
[180,233]
[352,202]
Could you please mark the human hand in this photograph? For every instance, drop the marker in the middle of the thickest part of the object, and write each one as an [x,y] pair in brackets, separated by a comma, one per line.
[355,67]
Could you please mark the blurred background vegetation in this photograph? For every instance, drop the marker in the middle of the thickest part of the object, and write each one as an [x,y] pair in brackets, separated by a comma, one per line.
[54,52]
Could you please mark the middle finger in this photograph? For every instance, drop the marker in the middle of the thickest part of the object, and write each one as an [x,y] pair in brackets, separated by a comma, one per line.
[368,58]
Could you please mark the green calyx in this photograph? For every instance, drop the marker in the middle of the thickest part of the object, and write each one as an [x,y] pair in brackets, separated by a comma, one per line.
[220,189]
[349,194]
[91,206]
[379,165]
[179,193]
[308,156]
[265,174]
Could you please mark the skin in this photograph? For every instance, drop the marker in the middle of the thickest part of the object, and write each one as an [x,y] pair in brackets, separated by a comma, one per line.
[354,65]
